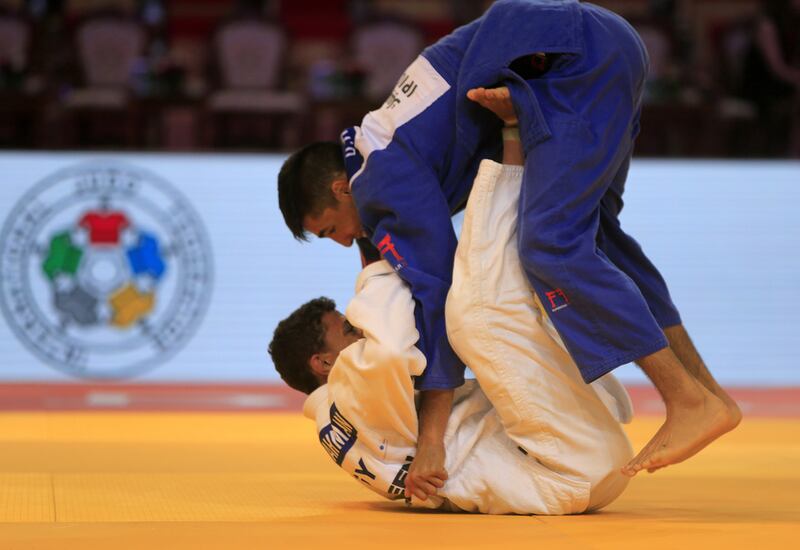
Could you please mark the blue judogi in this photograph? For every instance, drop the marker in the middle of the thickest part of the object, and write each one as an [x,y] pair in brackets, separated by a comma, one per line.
[412,162]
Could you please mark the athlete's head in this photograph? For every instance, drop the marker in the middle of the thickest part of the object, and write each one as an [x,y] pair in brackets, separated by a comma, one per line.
[314,195]
[306,344]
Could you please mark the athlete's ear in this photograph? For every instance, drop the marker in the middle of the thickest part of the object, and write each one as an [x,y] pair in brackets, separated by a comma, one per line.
[340,187]
[320,365]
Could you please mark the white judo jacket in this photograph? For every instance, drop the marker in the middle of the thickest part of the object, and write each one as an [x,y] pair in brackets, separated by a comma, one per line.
[365,414]
[367,420]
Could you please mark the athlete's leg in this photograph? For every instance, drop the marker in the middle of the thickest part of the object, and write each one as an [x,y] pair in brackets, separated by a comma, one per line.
[683,347]
[681,395]
[653,457]
[600,312]
[496,327]
[627,255]
[695,416]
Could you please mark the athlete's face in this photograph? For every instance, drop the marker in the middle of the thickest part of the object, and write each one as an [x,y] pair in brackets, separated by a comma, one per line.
[339,333]
[340,222]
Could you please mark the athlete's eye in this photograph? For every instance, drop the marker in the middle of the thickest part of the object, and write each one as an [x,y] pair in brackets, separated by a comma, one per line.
[348,328]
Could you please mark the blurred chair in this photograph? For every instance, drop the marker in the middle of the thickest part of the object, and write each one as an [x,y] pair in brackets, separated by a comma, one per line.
[15,38]
[658,43]
[383,49]
[667,122]
[734,44]
[732,48]
[662,77]
[737,115]
[110,49]
[19,101]
[249,55]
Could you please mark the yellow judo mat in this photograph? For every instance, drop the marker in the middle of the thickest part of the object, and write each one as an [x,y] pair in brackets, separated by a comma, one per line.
[114,481]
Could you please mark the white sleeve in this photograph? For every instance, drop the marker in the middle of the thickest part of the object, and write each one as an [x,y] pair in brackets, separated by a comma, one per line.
[384,309]
[371,381]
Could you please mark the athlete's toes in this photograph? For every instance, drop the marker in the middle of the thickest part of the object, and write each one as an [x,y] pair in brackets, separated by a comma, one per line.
[631,469]
[476,94]
[628,471]
[654,461]
[636,464]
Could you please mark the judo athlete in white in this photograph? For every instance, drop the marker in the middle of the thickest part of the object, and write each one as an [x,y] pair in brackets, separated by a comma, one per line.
[530,437]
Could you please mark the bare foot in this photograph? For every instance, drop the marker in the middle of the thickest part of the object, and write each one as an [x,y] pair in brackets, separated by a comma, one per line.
[733,407]
[733,410]
[683,347]
[686,431]
[497,100]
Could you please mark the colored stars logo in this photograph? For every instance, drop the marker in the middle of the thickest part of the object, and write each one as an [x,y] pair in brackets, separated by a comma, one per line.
[98,276]
[105,270]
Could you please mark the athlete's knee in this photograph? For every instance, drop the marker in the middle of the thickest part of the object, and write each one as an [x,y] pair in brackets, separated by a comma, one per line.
[461,324]
[601,461]
[608,461]
[607,490]
[540,254]
[609,482]
[544,251]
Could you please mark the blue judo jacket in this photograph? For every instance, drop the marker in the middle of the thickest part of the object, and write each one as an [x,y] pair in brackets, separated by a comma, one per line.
[412,162]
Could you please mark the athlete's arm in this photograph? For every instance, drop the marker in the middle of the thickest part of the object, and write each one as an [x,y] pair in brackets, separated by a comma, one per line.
[401,204]
[372,379]
[427,472]
[411,227]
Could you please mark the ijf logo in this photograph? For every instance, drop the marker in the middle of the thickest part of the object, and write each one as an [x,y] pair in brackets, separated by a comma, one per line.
[105,270]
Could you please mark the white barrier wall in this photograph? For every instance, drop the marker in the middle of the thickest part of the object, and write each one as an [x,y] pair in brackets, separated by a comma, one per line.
[178,267]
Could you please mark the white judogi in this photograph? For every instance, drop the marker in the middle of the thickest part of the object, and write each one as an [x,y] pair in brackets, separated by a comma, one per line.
[532,439]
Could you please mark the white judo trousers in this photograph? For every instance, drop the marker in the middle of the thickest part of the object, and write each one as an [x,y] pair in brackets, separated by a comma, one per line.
[498,327]
[533,438]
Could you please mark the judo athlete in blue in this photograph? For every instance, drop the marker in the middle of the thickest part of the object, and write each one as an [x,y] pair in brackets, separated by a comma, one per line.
[572,75]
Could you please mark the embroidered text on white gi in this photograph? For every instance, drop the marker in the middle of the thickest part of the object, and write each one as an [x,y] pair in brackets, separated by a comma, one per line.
[420,89]
[338,437]
[348,138]
[405,88]
[362,470]
[399,484]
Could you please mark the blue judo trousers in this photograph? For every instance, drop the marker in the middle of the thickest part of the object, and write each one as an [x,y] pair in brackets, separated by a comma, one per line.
[412,162]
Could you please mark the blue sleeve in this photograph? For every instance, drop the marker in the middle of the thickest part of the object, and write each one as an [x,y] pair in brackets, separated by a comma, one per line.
[400,200]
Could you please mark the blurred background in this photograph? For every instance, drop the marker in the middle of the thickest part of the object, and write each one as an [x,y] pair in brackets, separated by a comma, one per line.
[143,259]
[270,74]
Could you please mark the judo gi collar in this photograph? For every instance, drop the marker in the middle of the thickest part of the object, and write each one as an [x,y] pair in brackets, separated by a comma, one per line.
[314,400]
[353,160]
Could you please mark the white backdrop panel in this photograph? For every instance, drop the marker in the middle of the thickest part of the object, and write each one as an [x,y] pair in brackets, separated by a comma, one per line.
[726,236]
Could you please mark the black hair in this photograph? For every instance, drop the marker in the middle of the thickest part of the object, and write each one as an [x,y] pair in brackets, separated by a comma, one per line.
[296,339]
[304,183]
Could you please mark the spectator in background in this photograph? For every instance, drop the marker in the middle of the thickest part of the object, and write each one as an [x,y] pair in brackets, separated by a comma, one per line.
[772,72]
[464,11]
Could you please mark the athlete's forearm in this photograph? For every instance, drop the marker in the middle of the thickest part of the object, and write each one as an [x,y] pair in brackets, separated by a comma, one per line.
[434,411]
[512,147]
[427,473]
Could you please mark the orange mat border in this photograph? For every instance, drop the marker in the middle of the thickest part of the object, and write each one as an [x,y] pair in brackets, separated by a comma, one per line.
[755,402]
